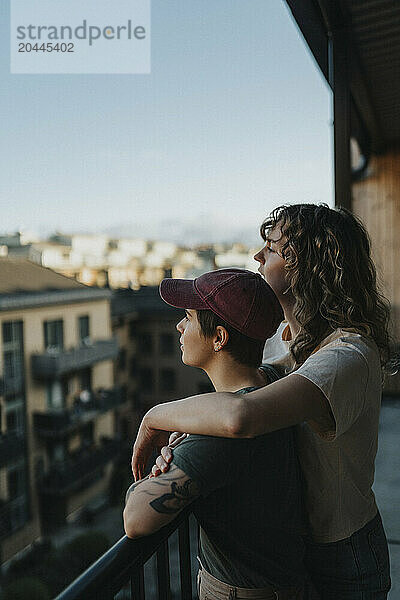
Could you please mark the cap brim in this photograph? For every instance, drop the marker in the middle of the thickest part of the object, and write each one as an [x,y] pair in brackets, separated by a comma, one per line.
[181,293]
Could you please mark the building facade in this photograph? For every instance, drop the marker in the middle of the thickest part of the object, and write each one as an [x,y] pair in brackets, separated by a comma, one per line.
[58,401]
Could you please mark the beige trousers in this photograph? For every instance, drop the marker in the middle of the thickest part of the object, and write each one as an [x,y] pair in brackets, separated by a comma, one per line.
[210,588]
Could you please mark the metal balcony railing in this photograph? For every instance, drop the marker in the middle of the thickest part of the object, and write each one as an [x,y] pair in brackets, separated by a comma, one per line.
[56,363]
[74,473]
[123,565]
[59,423]
[13,515]
[12,446]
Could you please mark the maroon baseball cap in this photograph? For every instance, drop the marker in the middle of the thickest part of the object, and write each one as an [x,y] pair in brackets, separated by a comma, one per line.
[241,298]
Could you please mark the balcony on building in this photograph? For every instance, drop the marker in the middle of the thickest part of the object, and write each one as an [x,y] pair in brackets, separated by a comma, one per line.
[56,423]
[13,515]
[57,362]
[80,470]
[12,446]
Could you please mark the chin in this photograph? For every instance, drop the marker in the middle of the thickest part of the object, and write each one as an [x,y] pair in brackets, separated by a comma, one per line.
[187,361]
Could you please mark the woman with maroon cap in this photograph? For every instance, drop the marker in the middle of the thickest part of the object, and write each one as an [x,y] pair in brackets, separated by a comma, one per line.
[317,260]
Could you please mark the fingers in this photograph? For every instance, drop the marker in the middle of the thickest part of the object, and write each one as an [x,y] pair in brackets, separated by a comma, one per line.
[137,468]
[173,437]
[162,461]
[155,471]
[179,437]
[166,454]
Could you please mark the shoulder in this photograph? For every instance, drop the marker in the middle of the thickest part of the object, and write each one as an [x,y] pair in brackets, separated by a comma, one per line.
[351,340]
[343,350]
[346,369]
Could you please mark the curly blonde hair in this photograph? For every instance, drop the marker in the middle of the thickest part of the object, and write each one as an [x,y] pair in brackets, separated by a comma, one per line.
[331,276]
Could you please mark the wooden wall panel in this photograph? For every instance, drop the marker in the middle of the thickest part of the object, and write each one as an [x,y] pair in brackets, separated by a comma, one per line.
[376,200]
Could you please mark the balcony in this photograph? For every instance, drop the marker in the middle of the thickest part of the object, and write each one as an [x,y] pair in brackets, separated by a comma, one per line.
[12,446]
[61,423]
[13,515]
[80,471]
[55,363]
[11,385]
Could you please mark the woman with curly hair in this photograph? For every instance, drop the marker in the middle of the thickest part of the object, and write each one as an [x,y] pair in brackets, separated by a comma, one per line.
[317,260]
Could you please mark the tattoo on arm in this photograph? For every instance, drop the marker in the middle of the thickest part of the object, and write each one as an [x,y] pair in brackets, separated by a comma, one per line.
[172,502]
[170,492]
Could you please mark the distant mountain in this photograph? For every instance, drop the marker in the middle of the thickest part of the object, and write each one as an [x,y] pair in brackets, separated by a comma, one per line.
[201,230]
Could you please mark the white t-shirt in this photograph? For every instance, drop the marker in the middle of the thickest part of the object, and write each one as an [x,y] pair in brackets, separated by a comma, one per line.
[338,466]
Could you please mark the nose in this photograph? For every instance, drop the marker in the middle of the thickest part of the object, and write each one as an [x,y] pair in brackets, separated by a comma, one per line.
[259,257]
[179,326]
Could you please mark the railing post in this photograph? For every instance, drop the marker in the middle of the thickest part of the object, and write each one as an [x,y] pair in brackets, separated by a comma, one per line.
[137,584]
[184,560]
[164,589]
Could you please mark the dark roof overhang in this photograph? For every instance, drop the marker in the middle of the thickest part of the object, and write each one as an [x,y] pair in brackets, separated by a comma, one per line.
[371,29]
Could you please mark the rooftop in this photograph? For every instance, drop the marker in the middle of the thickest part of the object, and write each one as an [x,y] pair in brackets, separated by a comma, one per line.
[24,284]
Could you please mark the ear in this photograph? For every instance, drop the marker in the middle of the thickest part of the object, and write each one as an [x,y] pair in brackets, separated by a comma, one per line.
[221,338]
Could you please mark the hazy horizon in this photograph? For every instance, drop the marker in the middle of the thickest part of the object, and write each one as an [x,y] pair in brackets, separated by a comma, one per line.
[234,119]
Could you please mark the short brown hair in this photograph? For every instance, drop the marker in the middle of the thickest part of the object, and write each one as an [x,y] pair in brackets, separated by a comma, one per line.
[245,350]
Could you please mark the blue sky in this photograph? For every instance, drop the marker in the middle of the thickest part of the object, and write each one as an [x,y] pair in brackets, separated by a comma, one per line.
[234,119]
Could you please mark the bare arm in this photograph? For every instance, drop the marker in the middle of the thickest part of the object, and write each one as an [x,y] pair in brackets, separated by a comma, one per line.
[289,401]
[153,502]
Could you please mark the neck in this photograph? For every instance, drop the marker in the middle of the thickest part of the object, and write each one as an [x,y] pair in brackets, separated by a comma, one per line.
[227,375]
[290,318]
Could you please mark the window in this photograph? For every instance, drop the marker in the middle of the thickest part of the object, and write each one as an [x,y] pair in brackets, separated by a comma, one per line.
[146,380]
[15,416]
[53,334]
[121,363]
[168,343]
[145,343]
[12,332]
[7,332]
[16,481]
[85,379]
[65,386]
[84,332]
[168,380]
[12,364]
[55,395]
[13,351]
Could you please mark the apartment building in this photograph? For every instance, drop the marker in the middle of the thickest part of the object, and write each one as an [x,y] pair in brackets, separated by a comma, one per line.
[58,402]
[149,364]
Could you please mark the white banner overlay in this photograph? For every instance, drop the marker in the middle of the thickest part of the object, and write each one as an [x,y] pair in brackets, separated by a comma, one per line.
[80,36]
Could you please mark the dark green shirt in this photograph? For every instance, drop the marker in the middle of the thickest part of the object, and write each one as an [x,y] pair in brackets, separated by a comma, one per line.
[250,509]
